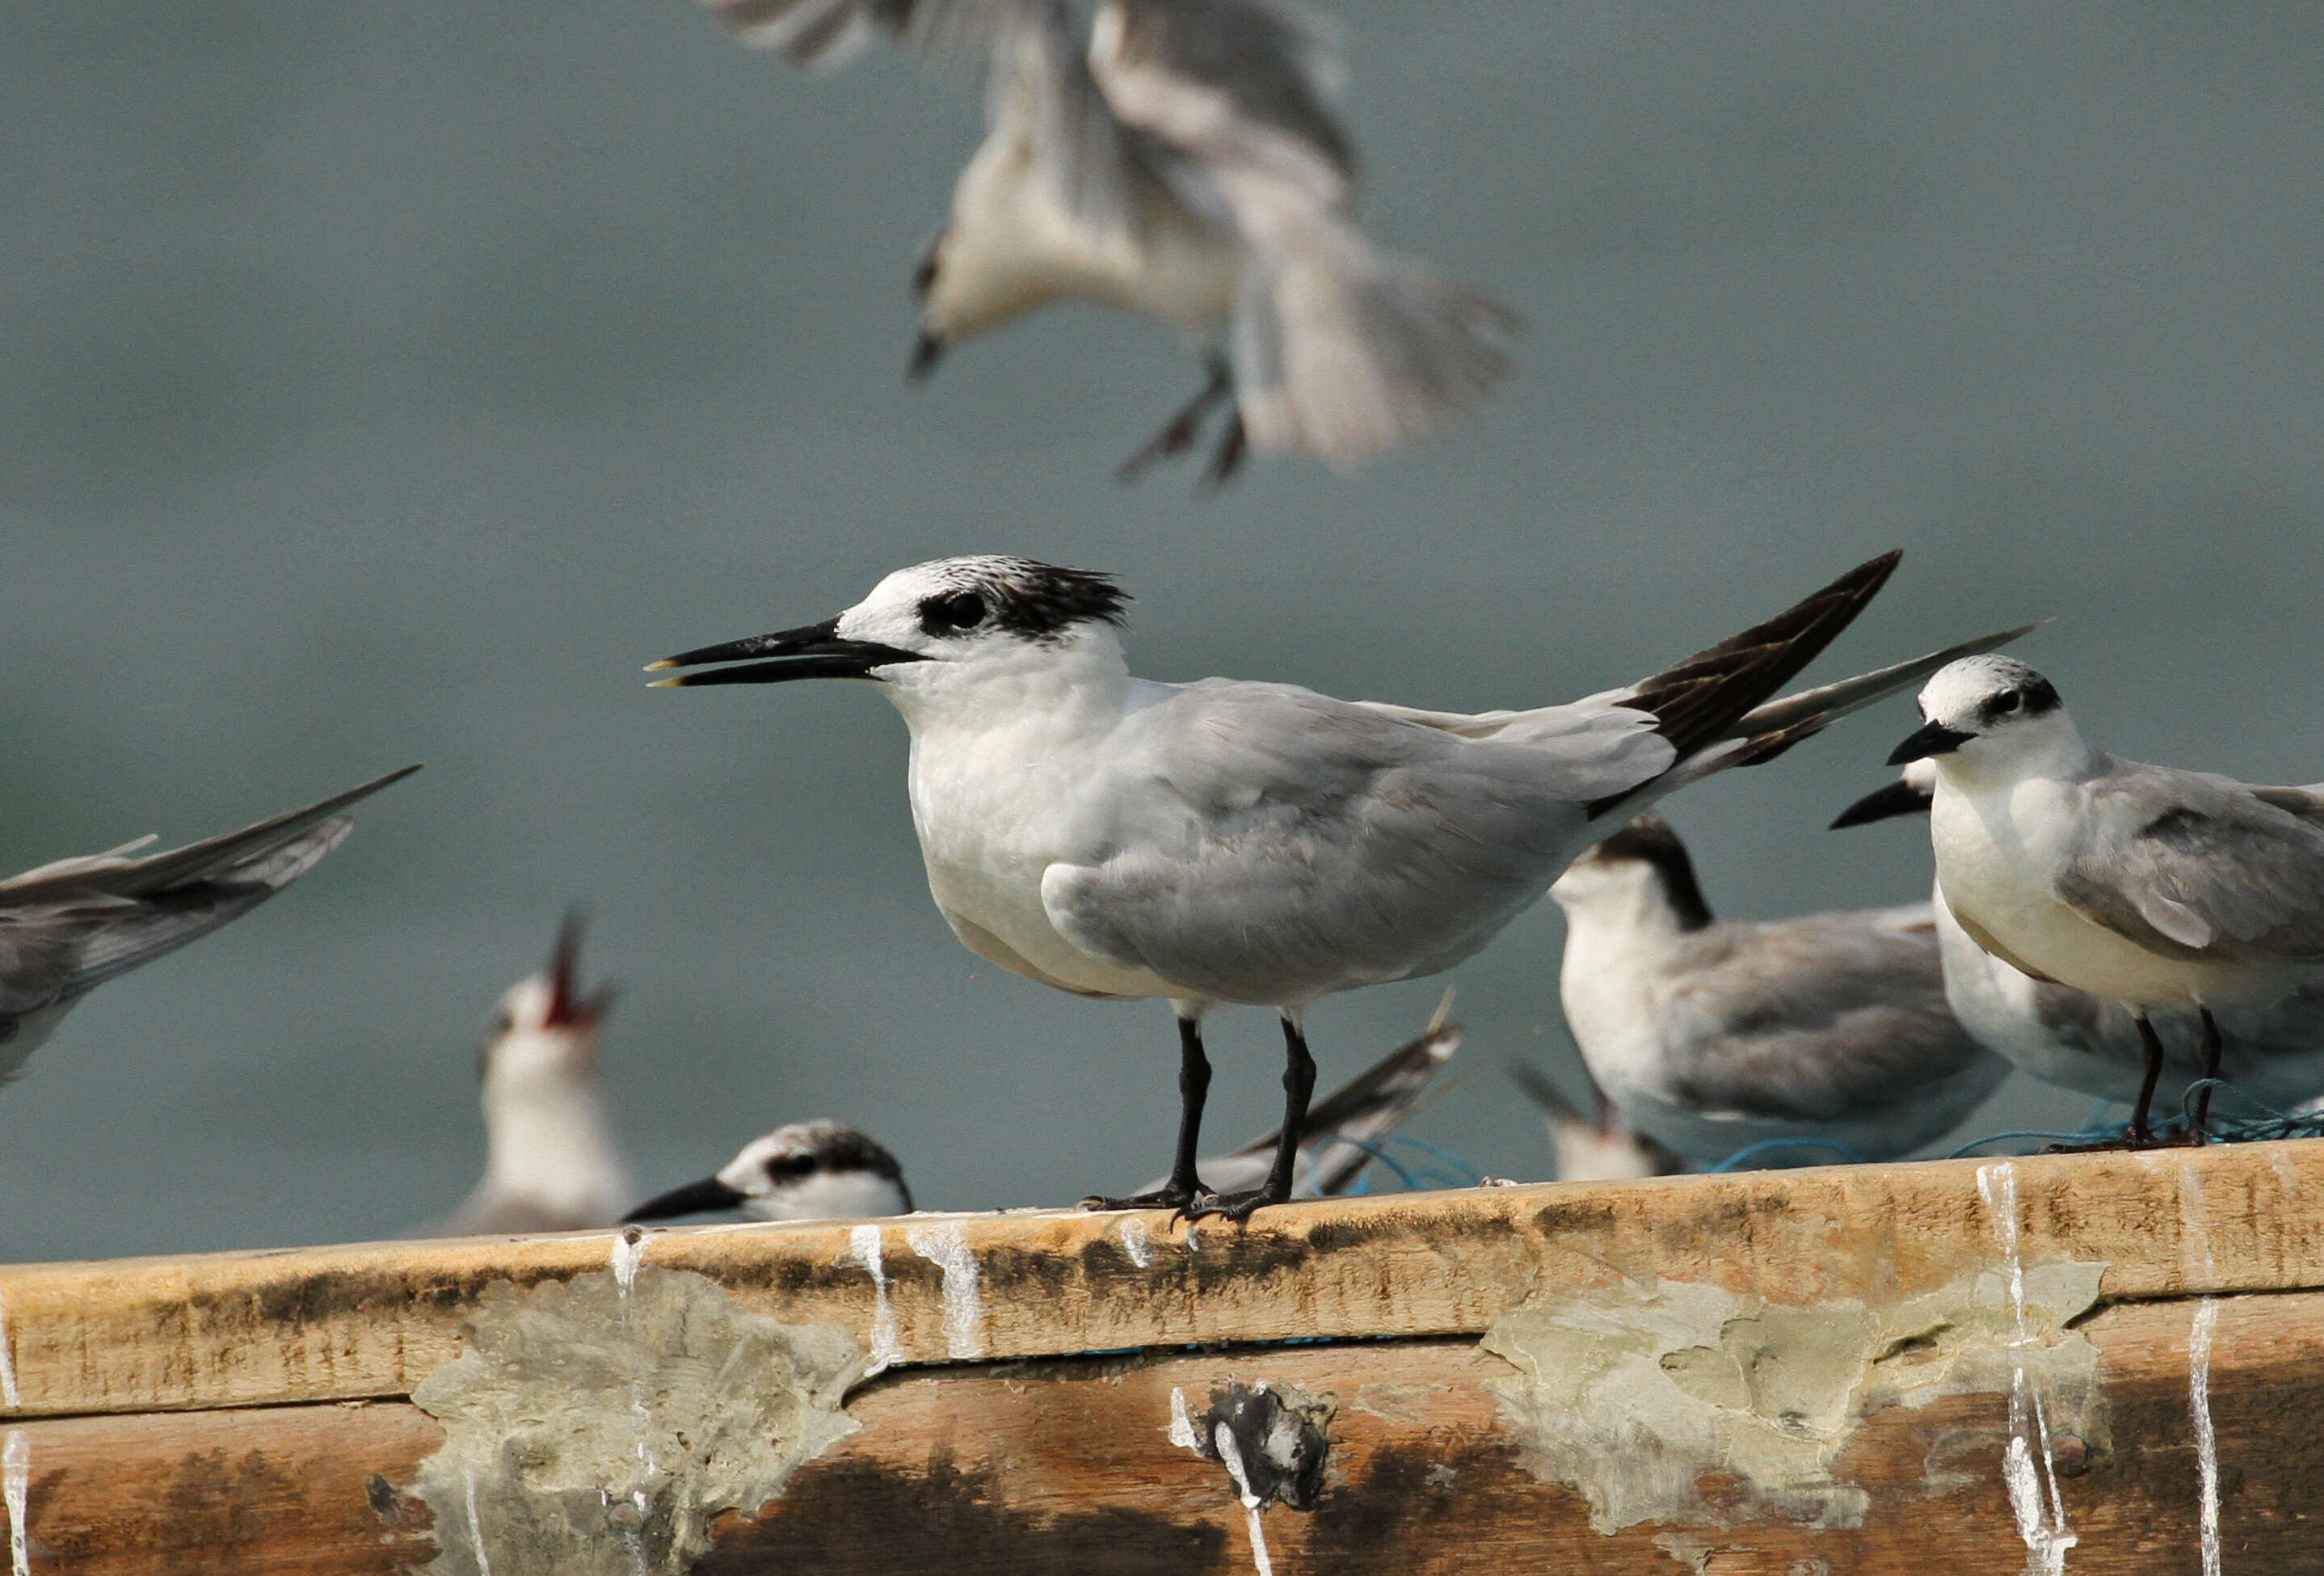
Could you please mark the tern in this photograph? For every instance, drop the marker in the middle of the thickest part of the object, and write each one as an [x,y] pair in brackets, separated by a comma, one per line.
[1345,1128]
[2091,1044]
[1225,841]
[1711,1035]
[550,1161]
[1182,167]
[2145,885]
[1596,1145]
[68,927]
[805,1171]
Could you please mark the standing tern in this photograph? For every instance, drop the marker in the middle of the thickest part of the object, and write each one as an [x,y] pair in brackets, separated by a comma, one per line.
[1597,1144]
[1259,844]
[550,1161]
[1182,168]
[1346,1128]
[68,927]
[2147,885]
[804,1171]
[2091,1044]
[1713,1035]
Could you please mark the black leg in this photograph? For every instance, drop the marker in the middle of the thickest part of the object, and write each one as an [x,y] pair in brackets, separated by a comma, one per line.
[1298,1088]
[1179,433]
[1194,1089]
[2140,1136]
[1228,460]
[2212,1047]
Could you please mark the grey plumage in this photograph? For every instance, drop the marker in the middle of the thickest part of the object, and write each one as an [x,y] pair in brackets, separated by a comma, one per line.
[69,926]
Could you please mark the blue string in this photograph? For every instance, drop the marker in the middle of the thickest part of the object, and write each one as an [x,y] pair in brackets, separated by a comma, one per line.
[1735,1162]
[1414,1180]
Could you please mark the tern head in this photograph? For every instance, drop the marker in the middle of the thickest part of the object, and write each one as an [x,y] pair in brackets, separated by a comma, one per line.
[935,630]
[806,1171]
[544,1027]
[1911,794]
[1990,714]
[1642,863]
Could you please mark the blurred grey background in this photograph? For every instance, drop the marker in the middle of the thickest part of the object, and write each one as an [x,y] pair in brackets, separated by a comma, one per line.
[386,384]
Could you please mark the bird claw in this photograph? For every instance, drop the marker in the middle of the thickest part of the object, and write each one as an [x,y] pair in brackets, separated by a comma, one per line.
[1238,1207]
[1169,443]
[1161,1198]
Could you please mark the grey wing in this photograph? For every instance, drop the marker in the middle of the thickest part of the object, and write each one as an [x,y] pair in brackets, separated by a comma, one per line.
[1292,845]
[1812,1021]
[2192,865]
[823,34]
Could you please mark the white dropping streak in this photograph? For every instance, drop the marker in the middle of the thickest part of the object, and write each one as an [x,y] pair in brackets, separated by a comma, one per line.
[9,1395]
[475,1527]
[1135,1241]
[15,1487]
[629,1252]
[2207,1448]
[2045,1534]
[1223,1439]
[946,1247]
[887,1350]
[1182,1426]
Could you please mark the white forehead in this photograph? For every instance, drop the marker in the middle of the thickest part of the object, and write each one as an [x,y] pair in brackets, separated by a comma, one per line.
[1960,689]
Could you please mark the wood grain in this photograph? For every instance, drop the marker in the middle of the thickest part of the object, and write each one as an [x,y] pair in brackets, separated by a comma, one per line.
[1065,1466]
[369,1320]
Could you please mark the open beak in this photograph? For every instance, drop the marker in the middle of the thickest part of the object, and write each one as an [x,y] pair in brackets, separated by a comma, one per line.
[695,1198]
[1930,739]
[812,651]
[1898,799]
[927,351]
[567,1007]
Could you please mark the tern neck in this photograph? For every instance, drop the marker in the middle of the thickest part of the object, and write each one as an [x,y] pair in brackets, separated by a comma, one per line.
[546,1136]
[2054,750]
[1081,681]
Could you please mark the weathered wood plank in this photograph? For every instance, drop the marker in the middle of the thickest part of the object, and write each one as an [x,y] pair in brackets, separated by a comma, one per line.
[1068,1466]
[369,1320]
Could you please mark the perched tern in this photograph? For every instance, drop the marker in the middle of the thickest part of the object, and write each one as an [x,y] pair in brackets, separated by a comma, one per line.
[1182,167]
[1597,1144]
[1346,1126]
[1713,1035]
[2092,1043]
[2147,885]
[806,1171]
[550,1161]
[1258,843]
[68,927]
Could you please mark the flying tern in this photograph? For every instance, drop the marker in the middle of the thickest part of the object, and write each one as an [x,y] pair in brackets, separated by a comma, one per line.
[2145,885]
[550,1160]
[805,1171]
[68,927]
[1711,1035]
[2092,1043]
[1182,166]
[1225,841]
[1595,1145]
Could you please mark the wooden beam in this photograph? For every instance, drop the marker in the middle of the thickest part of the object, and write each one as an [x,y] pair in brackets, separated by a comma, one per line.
[1069,1466]
[326,1324]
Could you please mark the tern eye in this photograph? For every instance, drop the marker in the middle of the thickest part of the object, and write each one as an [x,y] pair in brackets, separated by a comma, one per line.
[789,1167]
[2007,702]
[946,615]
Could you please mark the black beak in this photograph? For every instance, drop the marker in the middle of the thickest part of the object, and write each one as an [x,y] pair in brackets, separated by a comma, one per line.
[813,651]
[1898,799]
[695,1198]
[1931,739]
[927,351]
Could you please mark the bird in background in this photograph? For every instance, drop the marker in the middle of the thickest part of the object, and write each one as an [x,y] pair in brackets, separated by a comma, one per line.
[2147,885]
[1182,166]
[2092,1043]
[1821,1033]
[1595,1145]
[804,1171]
[69,926]
[550,1161]
[1347,1127]
[1259,845]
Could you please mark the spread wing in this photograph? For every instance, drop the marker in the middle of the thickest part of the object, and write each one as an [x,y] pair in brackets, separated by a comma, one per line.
[1813,1019]
[1289,846]
[2193,865]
